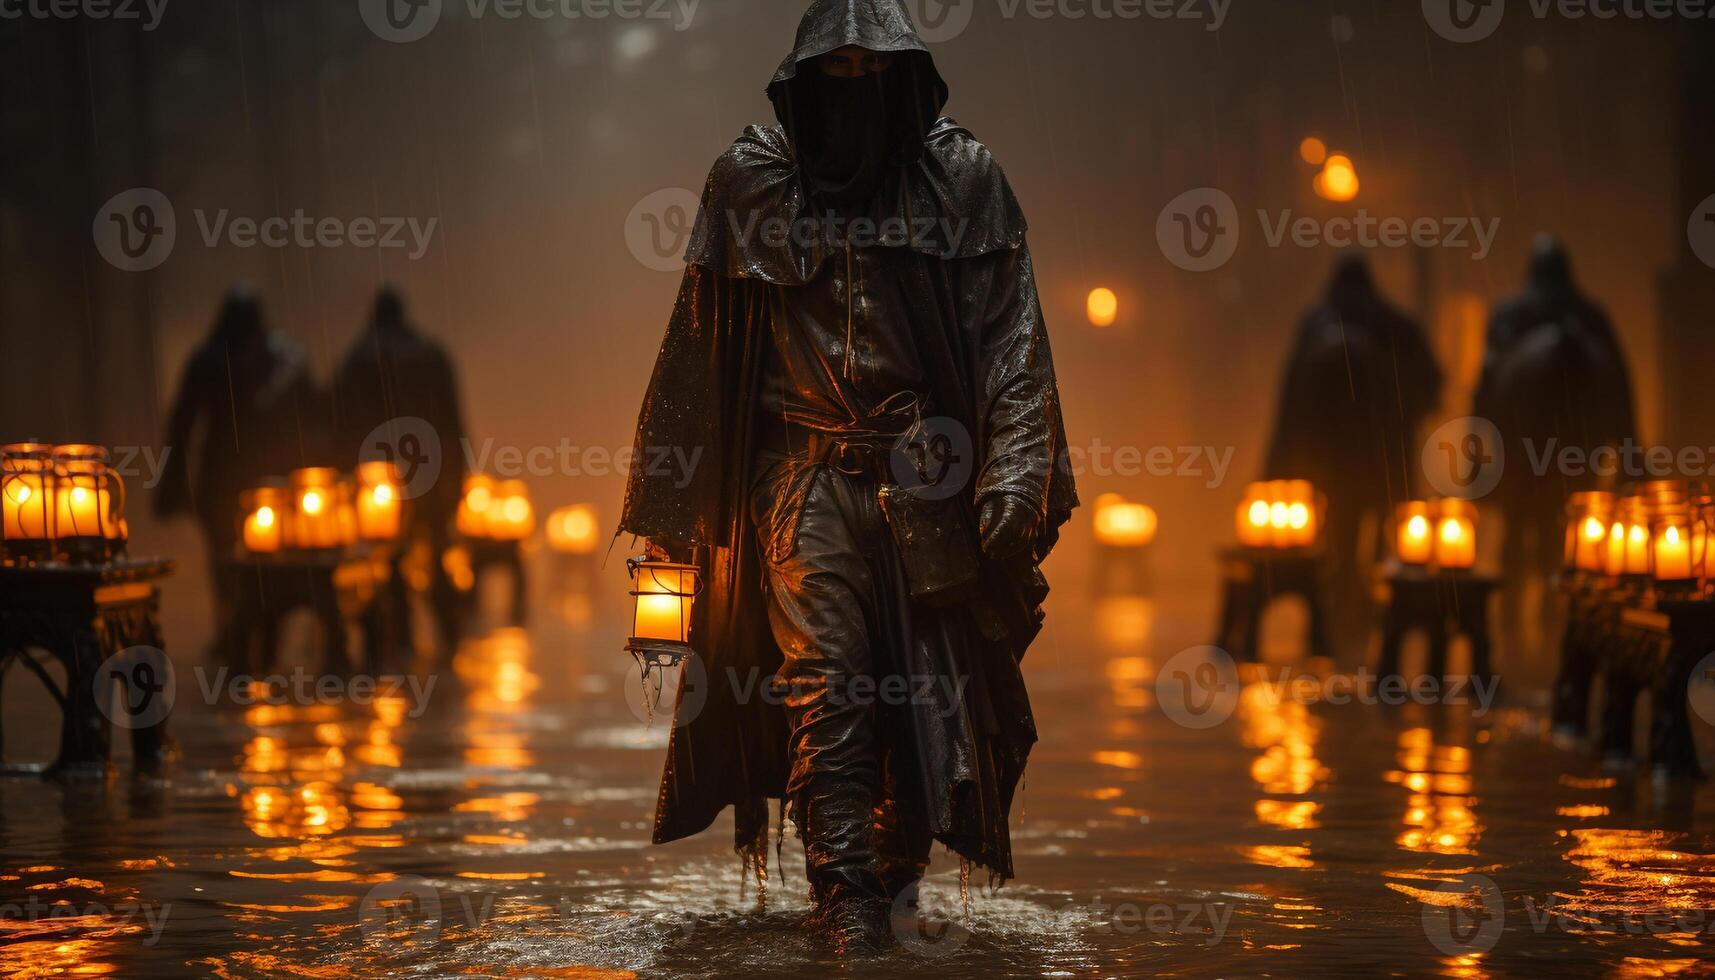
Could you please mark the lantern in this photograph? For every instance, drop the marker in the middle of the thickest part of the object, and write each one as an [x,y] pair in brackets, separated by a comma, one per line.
[89,503]
[1587,519]
[1122,524]
[26,502]
[509,516]
[1456,535]
[380,502]
[1671,558]
[265,510]
[664,593]
[317,522]
[1102,307]
[574,530]
[1634,511]
[1702,530]
[1253,517]
[1614,554]
[1415,533]
[473,505]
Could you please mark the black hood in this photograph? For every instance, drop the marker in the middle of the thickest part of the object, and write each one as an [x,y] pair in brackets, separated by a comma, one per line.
[894,110]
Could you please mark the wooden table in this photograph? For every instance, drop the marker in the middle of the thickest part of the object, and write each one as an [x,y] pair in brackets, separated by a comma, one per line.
[83,615]
[1443,604]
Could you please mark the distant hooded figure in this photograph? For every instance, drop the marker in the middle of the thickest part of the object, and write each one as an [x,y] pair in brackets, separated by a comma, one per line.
[244,413]
[392,376]
[1361,381]
[859,361]
[1554,376]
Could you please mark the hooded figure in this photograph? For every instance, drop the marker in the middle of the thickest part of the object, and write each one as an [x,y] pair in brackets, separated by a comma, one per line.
[858,309]
[394,372]
[246,411]
[1553,374]
[1360,382]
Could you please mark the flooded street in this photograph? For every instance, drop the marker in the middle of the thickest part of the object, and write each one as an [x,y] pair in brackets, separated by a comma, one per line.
[500,829]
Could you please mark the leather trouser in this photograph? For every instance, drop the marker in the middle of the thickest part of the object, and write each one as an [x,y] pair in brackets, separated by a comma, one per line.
[836,605]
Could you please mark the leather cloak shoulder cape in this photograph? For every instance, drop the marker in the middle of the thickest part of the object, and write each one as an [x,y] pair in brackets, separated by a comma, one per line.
[974,315]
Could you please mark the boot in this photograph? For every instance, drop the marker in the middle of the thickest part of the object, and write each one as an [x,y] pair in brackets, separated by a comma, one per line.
[851,912]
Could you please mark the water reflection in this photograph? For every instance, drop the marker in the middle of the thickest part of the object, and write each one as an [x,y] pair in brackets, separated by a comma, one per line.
[1440,815]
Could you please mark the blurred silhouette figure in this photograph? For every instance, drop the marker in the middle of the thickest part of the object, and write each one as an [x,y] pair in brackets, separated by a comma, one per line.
[1360,382]
[393,382]
[240,417]
[1554,376]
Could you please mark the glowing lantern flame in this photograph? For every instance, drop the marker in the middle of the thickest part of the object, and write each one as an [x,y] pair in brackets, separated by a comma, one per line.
[1338,180]
[1103,307]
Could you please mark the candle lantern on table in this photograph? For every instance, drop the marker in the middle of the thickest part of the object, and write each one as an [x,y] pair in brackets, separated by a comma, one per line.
[1456,535]
[380,502]
[574,530]
[663,594]
[26,496]
[264,515]
[316,521]
[89,504]
[1588,517]
[1123,525]
[1253,517]
[1415,533]
[1671,560]
[510,516]
[474,503]
[1303,516]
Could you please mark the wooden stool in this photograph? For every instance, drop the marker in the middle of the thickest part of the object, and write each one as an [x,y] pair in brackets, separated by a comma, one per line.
[1443,604]
[1255,577]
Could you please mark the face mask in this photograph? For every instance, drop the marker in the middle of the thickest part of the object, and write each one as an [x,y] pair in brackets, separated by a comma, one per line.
[848,145]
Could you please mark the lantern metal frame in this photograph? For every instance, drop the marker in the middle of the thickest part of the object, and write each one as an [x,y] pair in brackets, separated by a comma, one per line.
[656,654]
[18,461]
[73,464]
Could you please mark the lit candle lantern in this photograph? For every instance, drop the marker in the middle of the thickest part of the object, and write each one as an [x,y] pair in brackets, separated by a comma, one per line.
[664,593]
[1614,556]
[1103,307]
[380,503]
[1300,499]
[1415,533]
[1587,516]
[1253,517]
[26,500]
[89,502]
[1635,513]
[574,530]
[1122,524]
[1456,535]
[316,521]
[474,504]
[509,516]
[265,519]
[1671,550]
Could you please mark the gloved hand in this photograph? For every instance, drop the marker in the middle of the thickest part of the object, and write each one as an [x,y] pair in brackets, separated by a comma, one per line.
[666,549]
[1008,525]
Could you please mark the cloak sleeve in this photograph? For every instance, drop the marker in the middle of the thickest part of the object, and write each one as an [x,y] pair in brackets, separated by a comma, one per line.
[1022,437]
[688,448]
